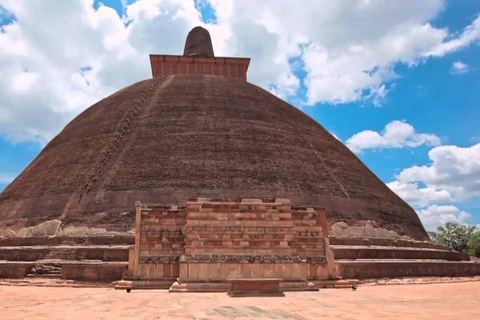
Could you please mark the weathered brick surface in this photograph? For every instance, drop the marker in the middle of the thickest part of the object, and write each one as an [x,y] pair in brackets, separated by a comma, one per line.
[161,236]
[101,272]
[396,269]
[308,239]
[219,239]
[247,227]
[163,65]
[15,270]
[196,134]
[256,230]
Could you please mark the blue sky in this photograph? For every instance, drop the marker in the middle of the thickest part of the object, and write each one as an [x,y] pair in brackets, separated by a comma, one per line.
[436,94]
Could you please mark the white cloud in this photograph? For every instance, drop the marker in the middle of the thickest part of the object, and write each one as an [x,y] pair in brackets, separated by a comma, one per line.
[453,176]
[348,49]
[453,168]
[469,35]
[435,216]
[6,178]
[459,67]
[335,136]
[417,196]
[43,86]
[397,134]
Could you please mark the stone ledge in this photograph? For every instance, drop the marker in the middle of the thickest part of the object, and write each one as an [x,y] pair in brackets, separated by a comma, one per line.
[394,268]
[15,270]
[99,272]
[252,258]
[383,252]
[126,239]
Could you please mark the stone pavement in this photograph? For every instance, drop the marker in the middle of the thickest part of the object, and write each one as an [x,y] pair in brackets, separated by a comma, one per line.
[428,301]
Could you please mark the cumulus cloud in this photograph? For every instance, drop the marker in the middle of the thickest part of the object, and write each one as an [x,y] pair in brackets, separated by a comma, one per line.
[435,216]
[453,168]
[59,57]
[348,48]
[397,134]
[459,67]
[453,175]
[6,178]
[53,71]
[470,34]
[415,195]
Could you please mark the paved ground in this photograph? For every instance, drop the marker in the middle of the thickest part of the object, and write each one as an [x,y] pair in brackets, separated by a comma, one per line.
[432,301]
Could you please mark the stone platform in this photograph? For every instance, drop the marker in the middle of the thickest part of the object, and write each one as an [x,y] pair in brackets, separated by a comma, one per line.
[450,301]
[264,287]
[75,252]
[202,245]
[390,258]
[208,243]
[94,258]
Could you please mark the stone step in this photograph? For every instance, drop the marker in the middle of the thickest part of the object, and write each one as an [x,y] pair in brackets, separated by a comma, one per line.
[386,242]
[322,284]
[45,270]
[51,282]
[144,284]
[86,270]
[389,252]
[127,239]
[397,268]
[200,287]
[47,275]
[416,280]
[65,252]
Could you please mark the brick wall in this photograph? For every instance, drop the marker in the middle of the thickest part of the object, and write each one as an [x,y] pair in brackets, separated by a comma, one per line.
[252,230]
[163,65]
[308,234]
[221,239]
[161,237]
[238,230]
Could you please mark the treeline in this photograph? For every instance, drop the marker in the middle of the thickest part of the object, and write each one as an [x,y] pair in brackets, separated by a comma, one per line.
[463,238]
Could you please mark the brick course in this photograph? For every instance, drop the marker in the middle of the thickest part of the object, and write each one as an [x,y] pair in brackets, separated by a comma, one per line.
[163,65]
[220,239]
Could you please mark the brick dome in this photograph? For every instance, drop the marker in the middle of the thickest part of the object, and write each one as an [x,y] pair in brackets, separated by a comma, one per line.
[167,139]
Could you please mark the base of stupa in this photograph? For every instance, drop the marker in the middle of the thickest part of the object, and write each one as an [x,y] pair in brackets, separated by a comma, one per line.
[202,245]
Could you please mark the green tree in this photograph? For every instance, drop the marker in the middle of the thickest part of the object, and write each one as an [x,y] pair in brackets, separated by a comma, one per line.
[474,244]
[433,236]
[454,235]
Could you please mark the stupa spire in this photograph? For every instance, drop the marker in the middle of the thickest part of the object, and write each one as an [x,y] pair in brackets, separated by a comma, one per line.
[198,43]
[198,58]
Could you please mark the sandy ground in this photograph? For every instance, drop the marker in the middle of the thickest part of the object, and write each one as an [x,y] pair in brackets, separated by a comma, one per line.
[432,301]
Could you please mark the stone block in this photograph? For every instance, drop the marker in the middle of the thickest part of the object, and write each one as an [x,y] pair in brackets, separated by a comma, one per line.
[101,272]
[256,287]
[15,270]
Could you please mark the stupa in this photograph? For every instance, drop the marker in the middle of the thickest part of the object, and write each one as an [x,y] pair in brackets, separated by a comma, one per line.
[196,129]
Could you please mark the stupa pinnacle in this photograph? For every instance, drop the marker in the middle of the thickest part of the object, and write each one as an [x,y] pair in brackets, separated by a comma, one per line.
[198,43]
